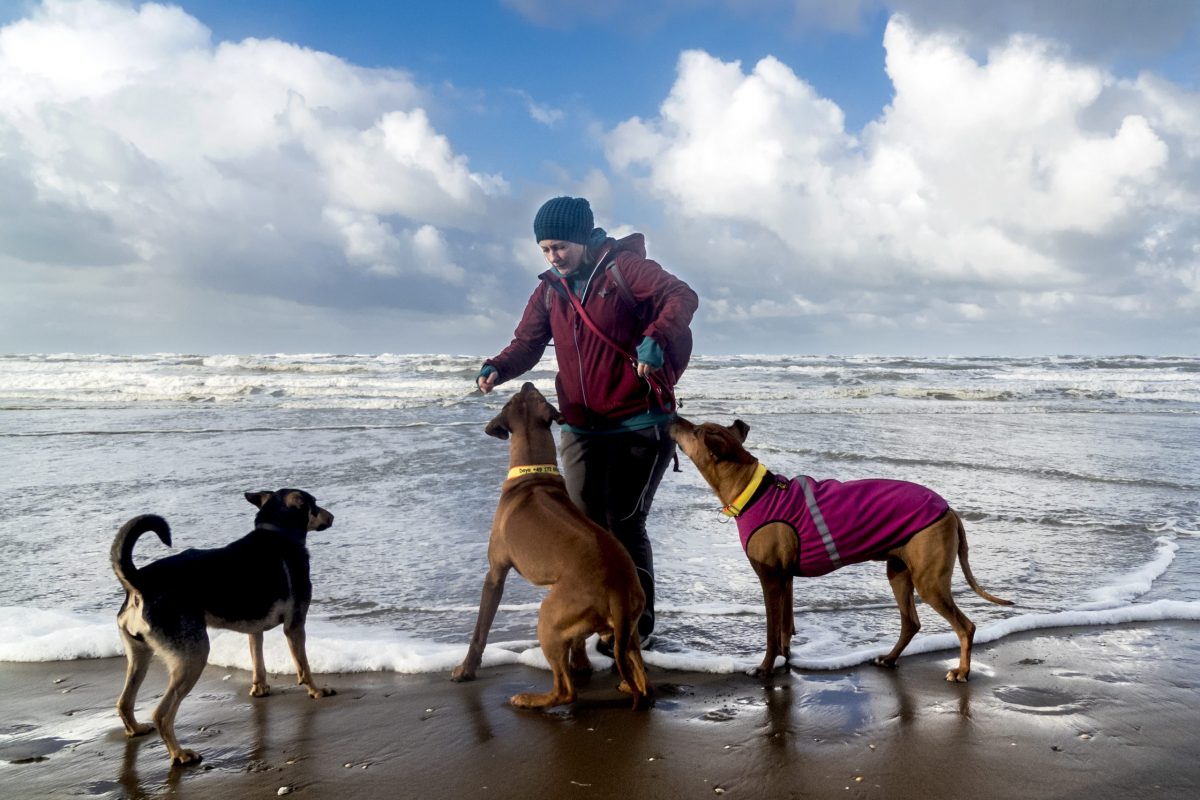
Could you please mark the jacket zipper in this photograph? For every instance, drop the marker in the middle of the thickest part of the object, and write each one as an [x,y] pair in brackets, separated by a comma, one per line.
[579,363]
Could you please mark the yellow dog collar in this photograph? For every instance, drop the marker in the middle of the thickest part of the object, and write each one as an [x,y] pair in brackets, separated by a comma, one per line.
[735,508]
[536,469]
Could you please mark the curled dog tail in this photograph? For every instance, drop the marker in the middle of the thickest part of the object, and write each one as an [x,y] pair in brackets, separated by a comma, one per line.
[122,546]
[966,567]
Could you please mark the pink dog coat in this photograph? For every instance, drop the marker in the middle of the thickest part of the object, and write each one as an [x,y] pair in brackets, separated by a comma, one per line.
[842,523]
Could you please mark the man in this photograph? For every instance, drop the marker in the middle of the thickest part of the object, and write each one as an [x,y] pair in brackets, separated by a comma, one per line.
[619,323]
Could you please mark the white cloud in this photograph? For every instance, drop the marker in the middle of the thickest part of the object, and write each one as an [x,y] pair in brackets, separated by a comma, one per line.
[730,144]
[237,163]
[1027,170]
[400,165]
[1003,141]
[540,112]
[151,177]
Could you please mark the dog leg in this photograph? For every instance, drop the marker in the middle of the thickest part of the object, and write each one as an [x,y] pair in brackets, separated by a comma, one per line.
[556,645]
[772,588]
[774,552]
[493,590]
[138,656]
[258,677]
[184,668]
[563,689]
[935,590]
[579,658]
[900,577]
[789,621]
[930,556]
[296,639]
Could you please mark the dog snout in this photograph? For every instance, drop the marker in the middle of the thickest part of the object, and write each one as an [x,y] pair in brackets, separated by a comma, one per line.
[324,520]
[679,425]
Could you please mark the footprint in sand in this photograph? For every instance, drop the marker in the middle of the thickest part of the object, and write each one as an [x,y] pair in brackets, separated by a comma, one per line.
[1030,700]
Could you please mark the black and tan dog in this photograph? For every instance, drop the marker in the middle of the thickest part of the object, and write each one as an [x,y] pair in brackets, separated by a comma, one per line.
[921,557]
[593,584]
[251,585]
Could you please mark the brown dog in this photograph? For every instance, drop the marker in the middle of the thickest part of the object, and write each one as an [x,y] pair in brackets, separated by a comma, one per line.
[539,531]
[923,560]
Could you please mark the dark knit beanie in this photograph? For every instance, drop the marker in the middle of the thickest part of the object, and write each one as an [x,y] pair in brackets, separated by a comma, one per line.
[568,219]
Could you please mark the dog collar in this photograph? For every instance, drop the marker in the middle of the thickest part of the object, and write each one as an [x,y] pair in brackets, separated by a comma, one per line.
[737,506]
[295,534]
[536,469]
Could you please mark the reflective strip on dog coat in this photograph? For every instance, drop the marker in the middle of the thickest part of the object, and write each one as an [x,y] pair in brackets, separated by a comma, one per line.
[842,523]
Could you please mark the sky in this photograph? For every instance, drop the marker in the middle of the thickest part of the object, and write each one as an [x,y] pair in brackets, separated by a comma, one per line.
[921,177]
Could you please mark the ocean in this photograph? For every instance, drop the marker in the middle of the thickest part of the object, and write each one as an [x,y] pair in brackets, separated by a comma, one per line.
[1078,479]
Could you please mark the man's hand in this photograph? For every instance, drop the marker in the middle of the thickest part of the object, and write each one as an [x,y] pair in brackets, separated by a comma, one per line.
[644,370]
[487,382]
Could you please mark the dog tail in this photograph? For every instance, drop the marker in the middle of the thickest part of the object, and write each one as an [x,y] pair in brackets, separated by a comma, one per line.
[966,567]
[122,546]
[627,656]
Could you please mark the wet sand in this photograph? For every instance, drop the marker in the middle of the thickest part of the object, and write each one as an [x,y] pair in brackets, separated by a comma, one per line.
[1069,713]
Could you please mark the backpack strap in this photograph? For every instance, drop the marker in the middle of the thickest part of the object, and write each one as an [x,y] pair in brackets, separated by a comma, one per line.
[627,295]
[622,285]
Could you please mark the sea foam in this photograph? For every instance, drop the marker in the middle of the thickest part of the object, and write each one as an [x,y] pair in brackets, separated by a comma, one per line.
[29,635]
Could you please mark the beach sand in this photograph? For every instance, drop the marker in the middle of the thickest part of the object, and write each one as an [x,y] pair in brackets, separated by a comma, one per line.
[1069,713]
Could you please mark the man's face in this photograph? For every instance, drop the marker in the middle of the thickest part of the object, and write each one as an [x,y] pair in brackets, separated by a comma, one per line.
[563,256]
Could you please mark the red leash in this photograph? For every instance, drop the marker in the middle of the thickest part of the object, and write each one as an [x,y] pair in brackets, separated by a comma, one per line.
[661,391]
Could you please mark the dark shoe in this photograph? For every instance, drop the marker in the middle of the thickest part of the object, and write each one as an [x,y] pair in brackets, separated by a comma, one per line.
[604,646]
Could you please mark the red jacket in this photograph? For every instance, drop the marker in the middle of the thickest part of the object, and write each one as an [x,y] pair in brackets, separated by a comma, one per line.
[598,387]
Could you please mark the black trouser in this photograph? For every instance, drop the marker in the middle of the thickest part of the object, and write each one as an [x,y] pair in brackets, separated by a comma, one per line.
[612,477]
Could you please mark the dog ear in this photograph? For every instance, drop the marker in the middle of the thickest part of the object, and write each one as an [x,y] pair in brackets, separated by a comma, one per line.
[740,429]
[258,499]
[551,414]
[498,427]
[716,443]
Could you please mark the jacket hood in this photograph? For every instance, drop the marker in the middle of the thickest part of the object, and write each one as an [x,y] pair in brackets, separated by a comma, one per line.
[634,243]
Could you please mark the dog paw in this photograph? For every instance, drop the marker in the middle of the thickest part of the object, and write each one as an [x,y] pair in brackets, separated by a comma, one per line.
[139,729]
[316,692]
[186,757]
[461,674]
[259,690]
[530,700]
[881,661]
[957,675]
[523,700]
[643,702]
